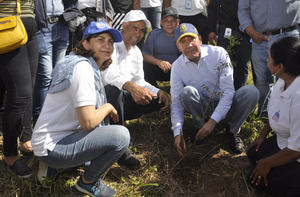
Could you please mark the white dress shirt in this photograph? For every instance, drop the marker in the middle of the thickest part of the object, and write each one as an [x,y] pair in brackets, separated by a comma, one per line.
[212,76]
[284,114]
[126,66]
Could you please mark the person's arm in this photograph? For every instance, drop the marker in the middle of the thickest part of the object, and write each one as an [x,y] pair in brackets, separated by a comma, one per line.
[136,4]
[89,117]
[140,95]
[166,3]
[266,130]
[163,65]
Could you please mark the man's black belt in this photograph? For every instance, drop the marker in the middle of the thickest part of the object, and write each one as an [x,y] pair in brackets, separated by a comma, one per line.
[53,19]
[282,30]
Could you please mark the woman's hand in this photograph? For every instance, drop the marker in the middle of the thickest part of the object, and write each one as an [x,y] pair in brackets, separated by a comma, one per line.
[114,115]
[260,172]
[257,143]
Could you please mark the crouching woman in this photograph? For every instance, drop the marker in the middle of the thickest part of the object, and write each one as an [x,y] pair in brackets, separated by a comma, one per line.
[72,127]
[276,160]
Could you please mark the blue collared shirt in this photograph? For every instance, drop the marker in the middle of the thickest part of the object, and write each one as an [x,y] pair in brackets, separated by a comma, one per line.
[268,15]
[213,74]
[54,7]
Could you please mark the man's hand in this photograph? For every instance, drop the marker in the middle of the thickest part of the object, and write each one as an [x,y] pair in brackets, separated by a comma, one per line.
[165,66]
[256,36]
[180,146]
[140,95]
[212,38]
[206,129]
[163,98]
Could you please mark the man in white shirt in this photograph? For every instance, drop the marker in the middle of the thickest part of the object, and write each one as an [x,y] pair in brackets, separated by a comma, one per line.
[202,84]
[125,86]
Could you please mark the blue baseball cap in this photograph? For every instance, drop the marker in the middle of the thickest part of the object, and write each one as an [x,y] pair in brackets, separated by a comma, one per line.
[185,29]
[96,27]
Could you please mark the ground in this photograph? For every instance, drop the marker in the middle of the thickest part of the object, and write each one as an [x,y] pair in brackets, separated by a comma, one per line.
[209,169]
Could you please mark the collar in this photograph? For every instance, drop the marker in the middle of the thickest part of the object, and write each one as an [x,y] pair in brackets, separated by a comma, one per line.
[204,53]
[122,48]
[291,89]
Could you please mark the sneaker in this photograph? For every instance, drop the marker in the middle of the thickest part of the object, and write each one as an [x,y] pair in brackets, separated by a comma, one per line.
[237,144]
[94,189]
[129,160]
[21,169]
[46,175]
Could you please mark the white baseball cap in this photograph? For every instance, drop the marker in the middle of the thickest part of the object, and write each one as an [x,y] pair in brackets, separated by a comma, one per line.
[137,15]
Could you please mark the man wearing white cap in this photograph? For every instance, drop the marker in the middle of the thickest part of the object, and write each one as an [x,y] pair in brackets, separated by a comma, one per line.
[126,87]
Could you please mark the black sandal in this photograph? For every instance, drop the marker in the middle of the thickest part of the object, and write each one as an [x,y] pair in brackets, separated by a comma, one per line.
[21,169]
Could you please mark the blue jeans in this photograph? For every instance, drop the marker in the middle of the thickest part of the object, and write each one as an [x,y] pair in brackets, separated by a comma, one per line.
[262,76]
[153,14]
[103,146]
[244,101]
[53,43]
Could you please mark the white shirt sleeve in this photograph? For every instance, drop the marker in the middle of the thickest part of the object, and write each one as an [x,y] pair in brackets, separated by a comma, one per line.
[177,110]
[226,86]
[294,138]
[82,89]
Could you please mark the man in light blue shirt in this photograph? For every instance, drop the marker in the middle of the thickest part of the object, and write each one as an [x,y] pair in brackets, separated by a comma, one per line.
[202,84]
[265,22]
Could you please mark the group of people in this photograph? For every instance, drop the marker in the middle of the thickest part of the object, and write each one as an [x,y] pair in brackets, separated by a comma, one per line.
[81,100]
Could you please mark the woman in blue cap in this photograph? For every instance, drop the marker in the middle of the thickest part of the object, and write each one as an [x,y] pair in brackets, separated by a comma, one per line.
[72,127]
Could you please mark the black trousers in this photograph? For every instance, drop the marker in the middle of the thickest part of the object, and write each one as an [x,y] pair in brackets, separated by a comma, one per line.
[126,107]
[200,22]
[240,55]
[282,180]
[17,72]
[153,73]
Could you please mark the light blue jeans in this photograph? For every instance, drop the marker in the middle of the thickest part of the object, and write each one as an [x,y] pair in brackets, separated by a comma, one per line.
[153,14]
[53,43]
[262,76]
[244,101]
[103,146]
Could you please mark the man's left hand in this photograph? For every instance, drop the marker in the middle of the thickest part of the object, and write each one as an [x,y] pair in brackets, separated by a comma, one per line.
[163,98]
[206,129]
[260,172]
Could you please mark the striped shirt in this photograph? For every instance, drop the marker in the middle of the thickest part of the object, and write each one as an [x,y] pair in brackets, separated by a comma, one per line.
[9,7]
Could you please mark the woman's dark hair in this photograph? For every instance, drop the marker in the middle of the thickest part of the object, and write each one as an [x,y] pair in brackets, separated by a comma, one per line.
[286,51]
[80,50]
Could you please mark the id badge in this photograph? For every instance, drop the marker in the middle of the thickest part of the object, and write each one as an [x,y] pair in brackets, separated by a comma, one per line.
[227,33]
[188,4]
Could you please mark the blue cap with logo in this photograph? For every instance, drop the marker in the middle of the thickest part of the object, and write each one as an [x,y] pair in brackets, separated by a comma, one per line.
[96,27]
[185,29]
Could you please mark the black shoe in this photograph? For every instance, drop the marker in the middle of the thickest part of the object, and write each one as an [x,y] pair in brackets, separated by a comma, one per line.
[129,160]
[237,144]
[20,169]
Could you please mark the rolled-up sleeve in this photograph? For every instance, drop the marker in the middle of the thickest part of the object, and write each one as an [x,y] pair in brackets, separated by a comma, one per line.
[244,14]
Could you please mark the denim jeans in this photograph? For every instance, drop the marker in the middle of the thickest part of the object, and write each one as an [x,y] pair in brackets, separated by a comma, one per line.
[153,14]
[244,101]
[53,43]
[17,73]
[262,76]
[103,146]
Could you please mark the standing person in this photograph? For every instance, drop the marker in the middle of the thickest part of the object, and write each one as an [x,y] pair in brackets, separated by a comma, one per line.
[159,50]
[71,129]
[224,25]
[265,22]
[17,72]
[53,41]
[126,87]
[152,9]
[275,160]
[202,84]
[192,11]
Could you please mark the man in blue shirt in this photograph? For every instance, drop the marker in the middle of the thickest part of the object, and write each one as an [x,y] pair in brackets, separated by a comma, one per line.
[160,49]
[265,22]
[202,84]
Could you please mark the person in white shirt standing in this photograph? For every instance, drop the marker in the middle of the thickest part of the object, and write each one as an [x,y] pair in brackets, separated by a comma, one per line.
[125,86]
[276,160]
[202,84]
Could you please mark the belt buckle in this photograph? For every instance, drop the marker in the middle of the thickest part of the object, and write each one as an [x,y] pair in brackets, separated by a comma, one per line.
[53,19]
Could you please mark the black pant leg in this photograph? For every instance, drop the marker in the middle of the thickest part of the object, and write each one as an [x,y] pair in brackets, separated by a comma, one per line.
[115,97]
[153,73]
